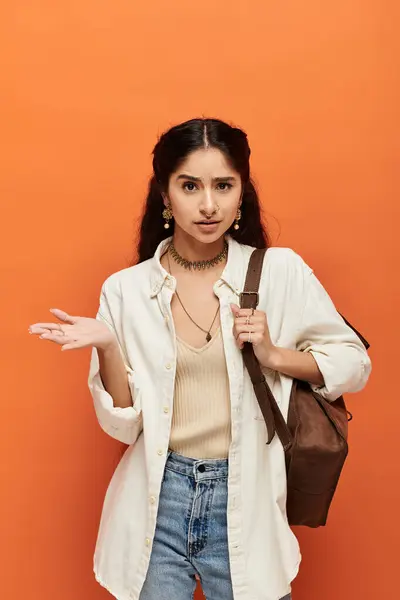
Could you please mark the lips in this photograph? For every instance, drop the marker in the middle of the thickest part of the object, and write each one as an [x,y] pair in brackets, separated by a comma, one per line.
[207,222]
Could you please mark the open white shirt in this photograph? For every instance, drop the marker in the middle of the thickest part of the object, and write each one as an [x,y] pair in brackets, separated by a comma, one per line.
[136,304]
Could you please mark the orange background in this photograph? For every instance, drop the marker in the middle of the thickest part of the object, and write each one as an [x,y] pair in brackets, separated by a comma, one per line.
[86,88]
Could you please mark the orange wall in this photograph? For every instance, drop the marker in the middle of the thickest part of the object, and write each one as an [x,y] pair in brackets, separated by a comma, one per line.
[87,86]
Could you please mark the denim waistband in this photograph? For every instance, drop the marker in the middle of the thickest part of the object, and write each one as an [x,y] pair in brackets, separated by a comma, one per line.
[199,468]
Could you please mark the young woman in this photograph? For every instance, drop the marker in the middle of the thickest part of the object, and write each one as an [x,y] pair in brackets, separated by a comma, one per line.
[198,493]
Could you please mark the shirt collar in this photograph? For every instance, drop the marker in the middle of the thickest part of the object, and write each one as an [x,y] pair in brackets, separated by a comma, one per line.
[232,275]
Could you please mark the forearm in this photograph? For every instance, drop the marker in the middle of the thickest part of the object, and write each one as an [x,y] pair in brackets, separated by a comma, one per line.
[299,365]
[114,376]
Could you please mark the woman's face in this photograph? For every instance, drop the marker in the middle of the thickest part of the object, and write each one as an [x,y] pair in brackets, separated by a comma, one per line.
[204,194]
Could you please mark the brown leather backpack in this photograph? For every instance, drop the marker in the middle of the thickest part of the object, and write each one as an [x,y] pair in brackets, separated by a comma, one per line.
[315,435]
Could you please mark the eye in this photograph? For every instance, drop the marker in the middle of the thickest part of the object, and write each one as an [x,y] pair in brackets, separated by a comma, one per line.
[189,186]
[224,186]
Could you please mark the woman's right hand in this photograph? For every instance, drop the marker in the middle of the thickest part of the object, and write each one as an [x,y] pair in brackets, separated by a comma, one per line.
[75,332]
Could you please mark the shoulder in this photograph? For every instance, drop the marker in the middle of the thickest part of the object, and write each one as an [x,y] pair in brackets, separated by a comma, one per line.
[285,274]
[136,276]
[278,258]
[287,258]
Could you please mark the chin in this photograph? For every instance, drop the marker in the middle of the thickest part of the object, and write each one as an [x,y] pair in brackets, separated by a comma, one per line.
[208,237]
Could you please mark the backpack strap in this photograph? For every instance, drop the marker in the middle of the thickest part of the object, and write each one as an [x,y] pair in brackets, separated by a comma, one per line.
[272,415]
[249,298]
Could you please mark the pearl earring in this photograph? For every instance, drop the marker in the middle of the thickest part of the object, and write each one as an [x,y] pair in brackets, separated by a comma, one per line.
[238,217]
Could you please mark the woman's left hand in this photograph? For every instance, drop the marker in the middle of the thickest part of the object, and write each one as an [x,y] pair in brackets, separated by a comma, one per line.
[251,326]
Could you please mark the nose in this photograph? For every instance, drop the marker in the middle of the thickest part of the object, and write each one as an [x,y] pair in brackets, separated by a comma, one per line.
[208,206]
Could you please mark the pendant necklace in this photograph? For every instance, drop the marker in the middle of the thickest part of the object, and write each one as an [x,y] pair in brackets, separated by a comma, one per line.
[207,332]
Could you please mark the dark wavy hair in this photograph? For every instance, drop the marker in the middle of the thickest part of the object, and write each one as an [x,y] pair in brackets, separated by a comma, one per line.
[171,150]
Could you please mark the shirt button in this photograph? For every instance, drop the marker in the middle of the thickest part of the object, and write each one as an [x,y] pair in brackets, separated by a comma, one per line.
[166,410]
[152,499]
[159,452]
[166,318]
[147,541]
[168,366]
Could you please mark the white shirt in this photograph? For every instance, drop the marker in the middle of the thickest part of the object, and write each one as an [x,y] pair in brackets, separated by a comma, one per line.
[136,304]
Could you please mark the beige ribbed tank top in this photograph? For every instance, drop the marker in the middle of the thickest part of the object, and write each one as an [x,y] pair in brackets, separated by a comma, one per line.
[201,420]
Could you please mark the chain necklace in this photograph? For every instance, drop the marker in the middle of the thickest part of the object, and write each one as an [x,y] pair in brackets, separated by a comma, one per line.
[198,264]
[207,332]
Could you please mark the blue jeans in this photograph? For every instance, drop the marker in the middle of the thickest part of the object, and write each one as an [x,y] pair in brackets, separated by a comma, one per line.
[191,533]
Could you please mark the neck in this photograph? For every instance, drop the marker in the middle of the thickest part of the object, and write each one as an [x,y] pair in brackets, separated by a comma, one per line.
[193,250]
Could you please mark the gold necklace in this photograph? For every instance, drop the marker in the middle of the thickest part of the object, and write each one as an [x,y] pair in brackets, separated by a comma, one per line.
[198,264]
[207,332]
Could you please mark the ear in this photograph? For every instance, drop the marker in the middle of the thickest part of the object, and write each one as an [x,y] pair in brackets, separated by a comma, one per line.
[165,199]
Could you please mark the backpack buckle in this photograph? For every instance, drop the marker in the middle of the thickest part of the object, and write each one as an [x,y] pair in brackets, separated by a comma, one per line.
[242,294]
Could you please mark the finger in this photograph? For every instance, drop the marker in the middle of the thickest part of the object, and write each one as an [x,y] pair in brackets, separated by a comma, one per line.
[244,336]
[238,341]
[51,330]
[63,316]
[38,330]
[56,333]
[249,312]
[255,338]
[51,337]
[249,318]
[71,347]
[48,326]
[242,312]
[235,309]
[251,328]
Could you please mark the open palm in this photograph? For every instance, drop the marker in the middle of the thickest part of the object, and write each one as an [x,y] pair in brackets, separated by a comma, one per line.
[74,332]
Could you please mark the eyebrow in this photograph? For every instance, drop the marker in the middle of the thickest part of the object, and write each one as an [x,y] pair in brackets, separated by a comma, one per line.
[216,179]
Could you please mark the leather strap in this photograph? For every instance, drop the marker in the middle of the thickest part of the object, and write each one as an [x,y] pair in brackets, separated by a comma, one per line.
[268,405]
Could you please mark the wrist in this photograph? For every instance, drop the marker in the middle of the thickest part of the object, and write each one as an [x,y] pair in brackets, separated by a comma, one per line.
[108,347]
[268,355]
[273,358]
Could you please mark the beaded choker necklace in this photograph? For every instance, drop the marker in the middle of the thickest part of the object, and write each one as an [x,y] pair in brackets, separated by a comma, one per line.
[198,264]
